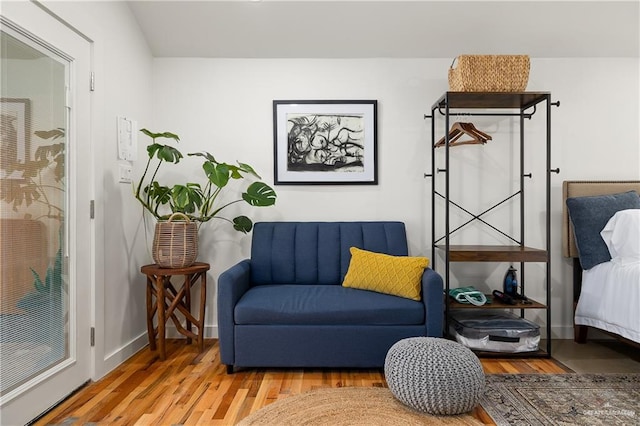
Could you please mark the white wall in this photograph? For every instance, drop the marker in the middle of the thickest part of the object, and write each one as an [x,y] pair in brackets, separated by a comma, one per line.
[122,64]
[225,106]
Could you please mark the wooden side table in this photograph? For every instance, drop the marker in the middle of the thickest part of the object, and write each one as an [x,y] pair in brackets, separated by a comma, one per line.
[168,299]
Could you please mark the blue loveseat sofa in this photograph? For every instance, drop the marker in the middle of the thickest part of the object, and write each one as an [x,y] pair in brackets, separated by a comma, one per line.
[286,307]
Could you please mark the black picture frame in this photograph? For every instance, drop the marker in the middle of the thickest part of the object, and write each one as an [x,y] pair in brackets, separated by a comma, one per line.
[325,142]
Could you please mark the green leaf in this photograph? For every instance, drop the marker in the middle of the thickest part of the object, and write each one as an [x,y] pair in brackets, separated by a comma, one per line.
[169,154]
[235,172]
[247,168]
[170,135]
[153,148]
[17,192]
[50,134]
[167,135]
[158,194]
[33,168]
[58,171]
[204,154]
[186,198]
[259,194]
[43,153]
[242,224]
[218,174]
[37,281]
[163,152]
[48,279]
[57,271]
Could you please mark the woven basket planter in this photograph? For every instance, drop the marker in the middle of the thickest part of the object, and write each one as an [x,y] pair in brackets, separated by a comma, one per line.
[489,73]
[175,242]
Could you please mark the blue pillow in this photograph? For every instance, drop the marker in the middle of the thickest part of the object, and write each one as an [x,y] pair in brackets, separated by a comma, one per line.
[589,215]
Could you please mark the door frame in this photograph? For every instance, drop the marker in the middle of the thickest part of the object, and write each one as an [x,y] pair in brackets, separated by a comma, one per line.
[28,18]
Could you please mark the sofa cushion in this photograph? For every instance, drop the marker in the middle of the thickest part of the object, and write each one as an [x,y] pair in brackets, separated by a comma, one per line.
[317,252]
[324,304]
[396,275]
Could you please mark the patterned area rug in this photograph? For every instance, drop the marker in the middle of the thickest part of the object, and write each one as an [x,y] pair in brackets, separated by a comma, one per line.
[563,399]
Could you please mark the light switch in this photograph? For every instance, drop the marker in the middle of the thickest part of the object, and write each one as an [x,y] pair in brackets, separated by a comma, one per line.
[126,173]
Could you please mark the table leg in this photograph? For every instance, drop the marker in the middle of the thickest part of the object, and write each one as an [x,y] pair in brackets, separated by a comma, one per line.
[187,298]
[168,300]
[150,314]
[203,304]
[161,316]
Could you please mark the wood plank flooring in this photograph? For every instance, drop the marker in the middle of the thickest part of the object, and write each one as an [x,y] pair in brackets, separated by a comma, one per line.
[193,388]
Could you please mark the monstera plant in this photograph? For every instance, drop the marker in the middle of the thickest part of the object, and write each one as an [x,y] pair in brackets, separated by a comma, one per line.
[198,201]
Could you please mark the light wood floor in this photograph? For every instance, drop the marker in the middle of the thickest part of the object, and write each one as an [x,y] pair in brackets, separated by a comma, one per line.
[194,389]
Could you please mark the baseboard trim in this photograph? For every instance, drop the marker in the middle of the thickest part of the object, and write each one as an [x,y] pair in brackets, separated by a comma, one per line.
[566,332]
[559,332]
[117,357]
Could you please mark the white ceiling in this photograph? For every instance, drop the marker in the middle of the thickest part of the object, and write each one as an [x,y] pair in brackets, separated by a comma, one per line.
[392,29]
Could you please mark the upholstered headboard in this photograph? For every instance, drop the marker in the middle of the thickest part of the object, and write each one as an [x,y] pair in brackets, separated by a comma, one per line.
[577,188]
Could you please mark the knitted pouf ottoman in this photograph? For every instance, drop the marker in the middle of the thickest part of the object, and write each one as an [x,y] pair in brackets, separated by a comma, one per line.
[433,375]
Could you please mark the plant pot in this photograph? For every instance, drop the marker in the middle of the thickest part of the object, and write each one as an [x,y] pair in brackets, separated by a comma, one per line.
[175,242]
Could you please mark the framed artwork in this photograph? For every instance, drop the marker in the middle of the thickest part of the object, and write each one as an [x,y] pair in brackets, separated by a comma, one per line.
[15,122]
[325,142]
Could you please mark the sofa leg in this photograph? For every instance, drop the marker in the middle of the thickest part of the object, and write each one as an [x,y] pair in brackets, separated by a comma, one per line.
[229,369]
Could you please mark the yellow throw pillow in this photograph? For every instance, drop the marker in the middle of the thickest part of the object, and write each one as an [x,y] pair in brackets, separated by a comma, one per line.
[383,273]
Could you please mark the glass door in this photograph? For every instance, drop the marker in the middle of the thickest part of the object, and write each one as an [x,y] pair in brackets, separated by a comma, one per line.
[34,280]
[44,306]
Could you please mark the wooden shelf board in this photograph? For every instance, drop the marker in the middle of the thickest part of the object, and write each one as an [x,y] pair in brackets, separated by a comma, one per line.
[453,304]
[488,100]
[482,253]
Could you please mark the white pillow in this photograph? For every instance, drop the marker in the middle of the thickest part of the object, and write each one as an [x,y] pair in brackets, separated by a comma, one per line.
[622,234]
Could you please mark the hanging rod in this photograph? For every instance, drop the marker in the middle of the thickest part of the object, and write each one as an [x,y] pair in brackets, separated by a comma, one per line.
[492,114]
[489,114]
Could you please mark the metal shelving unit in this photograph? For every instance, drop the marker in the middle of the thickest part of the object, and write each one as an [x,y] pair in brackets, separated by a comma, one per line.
[522,105]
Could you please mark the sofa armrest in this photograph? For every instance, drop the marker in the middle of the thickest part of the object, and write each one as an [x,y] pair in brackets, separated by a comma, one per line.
[433,299]
[232,284]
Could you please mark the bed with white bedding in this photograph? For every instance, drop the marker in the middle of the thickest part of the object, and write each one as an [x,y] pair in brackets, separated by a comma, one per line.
[601,231]
[610,299]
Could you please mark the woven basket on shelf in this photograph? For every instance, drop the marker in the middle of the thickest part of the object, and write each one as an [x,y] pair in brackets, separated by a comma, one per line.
[175,242]
[489,73]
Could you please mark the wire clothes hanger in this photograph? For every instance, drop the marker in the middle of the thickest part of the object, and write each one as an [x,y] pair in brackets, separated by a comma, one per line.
[460,129]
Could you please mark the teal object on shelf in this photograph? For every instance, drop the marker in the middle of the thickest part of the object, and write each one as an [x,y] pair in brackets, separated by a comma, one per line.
[468,295]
